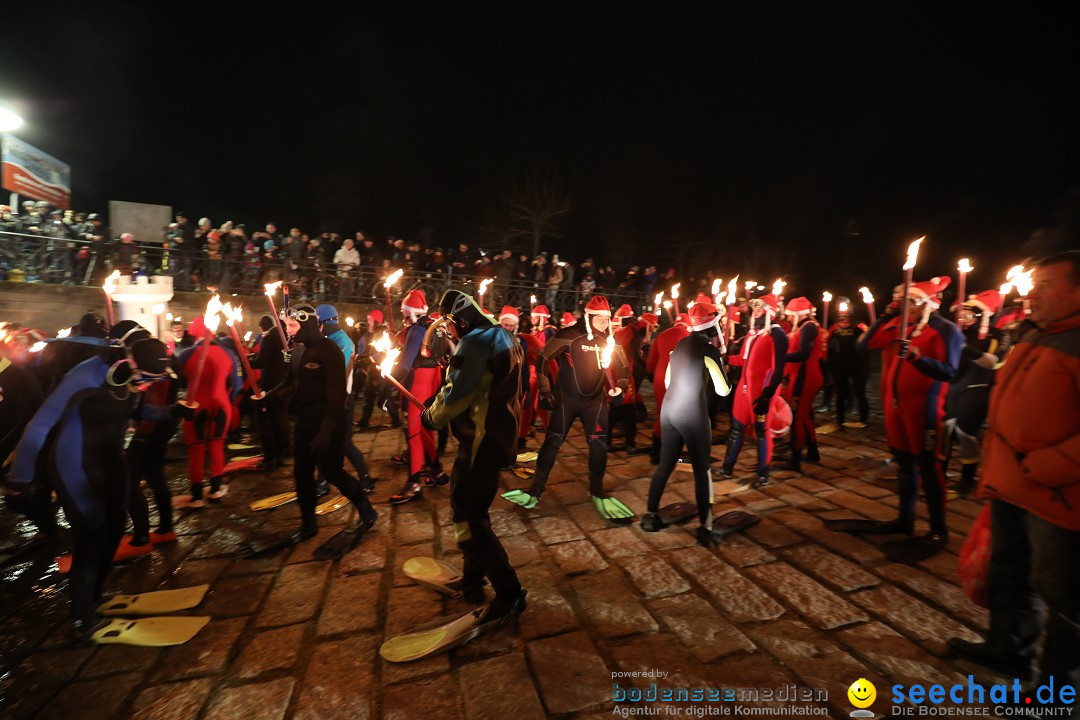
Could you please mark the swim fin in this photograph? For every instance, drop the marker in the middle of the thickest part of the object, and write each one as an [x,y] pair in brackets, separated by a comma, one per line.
[269,543]
[612,510]
[269,503]
[522,498]
[150,632]
[436,575]
[336,502]
[446,633]
[341,543]
[724,525]
[525,473]
[827,429]
[240,446]
[527,456]
[159,601]
[242,464]
[677,513]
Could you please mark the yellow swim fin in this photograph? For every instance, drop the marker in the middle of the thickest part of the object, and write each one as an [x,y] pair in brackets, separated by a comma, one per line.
[150,632]
[269,503]
[335,503]
[160,601]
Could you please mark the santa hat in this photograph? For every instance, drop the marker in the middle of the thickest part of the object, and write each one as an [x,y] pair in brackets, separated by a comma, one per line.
[702,298]
[928,294]
[703,316]
[415,303]
[988,301]
[798,306]
[508,311]
[624,311]
[376,315]
[540,310]
[682,319]
[597,305]
[650,318]
[770,304]
[197,328]
[568,319]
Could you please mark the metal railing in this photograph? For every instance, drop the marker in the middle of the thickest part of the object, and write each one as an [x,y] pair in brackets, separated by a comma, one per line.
[34,258]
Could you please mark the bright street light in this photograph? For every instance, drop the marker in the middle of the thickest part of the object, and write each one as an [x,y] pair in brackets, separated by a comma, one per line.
[9,120]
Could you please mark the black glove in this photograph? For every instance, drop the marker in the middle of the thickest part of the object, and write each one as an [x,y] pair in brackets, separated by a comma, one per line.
[181,412]
[425,420]
[904,349]
[761,405]
[287,354]
[547,400]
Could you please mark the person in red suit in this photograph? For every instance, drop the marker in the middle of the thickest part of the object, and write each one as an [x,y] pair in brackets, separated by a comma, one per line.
[210,396]
[802,372]
[915,387]
[422,376]
[630,336]
[762,357]
[656,365]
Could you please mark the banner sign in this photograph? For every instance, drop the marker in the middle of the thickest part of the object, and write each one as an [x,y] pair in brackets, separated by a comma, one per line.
[34,174]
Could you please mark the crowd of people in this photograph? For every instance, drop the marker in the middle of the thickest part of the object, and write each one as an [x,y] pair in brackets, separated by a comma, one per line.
[1008,373]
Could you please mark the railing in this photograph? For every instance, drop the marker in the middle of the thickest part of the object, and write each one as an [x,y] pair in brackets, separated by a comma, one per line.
[33,258]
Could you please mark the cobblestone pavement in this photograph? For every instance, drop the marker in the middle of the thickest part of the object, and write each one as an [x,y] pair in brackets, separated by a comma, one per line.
[788,602]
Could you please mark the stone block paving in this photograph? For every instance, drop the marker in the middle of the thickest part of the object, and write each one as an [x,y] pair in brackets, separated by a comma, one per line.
[786,602]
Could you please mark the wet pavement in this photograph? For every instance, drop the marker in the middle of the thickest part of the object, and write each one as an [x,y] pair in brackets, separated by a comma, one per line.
[786,603]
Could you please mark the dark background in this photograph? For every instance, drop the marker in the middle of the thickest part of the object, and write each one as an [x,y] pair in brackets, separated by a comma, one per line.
[799,142]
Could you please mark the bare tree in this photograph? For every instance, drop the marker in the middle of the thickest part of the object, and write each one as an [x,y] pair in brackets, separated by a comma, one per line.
[533,208]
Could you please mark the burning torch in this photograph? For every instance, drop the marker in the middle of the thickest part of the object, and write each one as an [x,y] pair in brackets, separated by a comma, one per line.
[605,363]
[389,283]
[826,298]
[110,287]
[869,300]
[964,267]
[483,289]
[387,365]
[211,319]
[675,296]
[909,267]
[270,289]
[234,316]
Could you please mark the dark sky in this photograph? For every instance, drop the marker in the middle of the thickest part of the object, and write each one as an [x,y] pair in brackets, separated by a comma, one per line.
[760,136]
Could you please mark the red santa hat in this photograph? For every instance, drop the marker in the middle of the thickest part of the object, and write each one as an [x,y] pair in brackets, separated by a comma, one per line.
[703,315]
[415,303]
[434,315]
[508,311]
[376,315]
[798,306]
[702,298]
[929,291]
[597,305]
[780,416]
[988,301]
[624,312]
[568,319]
[540,310]
[772,304]
[682,319]
[197,327]
[650,318]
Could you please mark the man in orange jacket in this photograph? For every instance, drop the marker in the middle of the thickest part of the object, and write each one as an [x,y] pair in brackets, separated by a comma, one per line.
[1031,472]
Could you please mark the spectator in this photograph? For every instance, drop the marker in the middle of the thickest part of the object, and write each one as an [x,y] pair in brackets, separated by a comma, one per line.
[98,236]
[539,269]
[369,254]
[554,281]
[522,268]
[347,260]
[1031,472]
[462,260]
[127,254]
[233,256]
[215,255]
[181,240]
[438,262]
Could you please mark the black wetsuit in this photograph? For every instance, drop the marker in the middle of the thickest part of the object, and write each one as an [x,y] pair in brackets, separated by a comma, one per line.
[847,363]
[316,382]
[271,415]
[695,367]
[146,461]
[582,392]
[481,401]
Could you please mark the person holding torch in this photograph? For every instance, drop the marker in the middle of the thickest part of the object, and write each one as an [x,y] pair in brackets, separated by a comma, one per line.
[915,387]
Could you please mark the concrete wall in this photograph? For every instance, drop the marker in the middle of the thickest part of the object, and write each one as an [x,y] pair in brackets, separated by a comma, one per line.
[52,307]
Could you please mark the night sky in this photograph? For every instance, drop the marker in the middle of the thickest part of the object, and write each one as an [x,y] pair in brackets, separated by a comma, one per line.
[732,139]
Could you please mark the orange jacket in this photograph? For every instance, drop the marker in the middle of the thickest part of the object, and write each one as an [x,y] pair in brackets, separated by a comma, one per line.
[1032,456]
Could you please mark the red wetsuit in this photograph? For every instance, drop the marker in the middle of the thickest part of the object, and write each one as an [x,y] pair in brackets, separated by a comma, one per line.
[534,343]
[423,379]
[762,361]
[207,430]
[659,356]
[802,370]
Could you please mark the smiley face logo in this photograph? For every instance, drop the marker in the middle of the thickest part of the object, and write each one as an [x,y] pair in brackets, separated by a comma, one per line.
[862,693]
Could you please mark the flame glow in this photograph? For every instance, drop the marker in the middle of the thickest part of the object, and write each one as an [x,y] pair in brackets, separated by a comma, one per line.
[732,290]
[532,299]
[1005,289]
[658,299]
[749,285]
[778,287]
[350,322]
[674,292]
[667,304]
[964,266]
[38,346]
[382,343]
[843,307]
[609,349]
[393,278]
[484,286]
[716,285]
[913,253]
[212,316]
[388,362]
[826,296]
[866,296]
[271,288]
[63,333]
[247,336]
[109,286]
[1020,279]
[232,315]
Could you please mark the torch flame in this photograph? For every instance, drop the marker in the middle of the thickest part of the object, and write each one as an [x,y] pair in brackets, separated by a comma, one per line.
[667,304]
[609,349]
[913,253]
[866,296]
[271,288]
[532,299]
[826,296]
[719,297]
[1020,279]
[388,362]
[749,284]
[964,266]
[716,284]
[232,315]
[484,285]
[350,322]
[675,291]
[63,333]
[658,299]
[393,278]
[778,287]
[732,290]
[247,336]
[381,343]
[212,316]
[843,307]
[1005,289]
[109,286]
[38,346]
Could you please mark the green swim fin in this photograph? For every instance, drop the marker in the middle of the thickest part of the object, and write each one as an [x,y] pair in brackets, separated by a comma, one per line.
[269,503]
[150,632]
[612,510]
[160,601]
[435,574]
[522,498]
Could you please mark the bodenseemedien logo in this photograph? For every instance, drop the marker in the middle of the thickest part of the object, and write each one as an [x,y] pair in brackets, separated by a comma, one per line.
[862,694]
